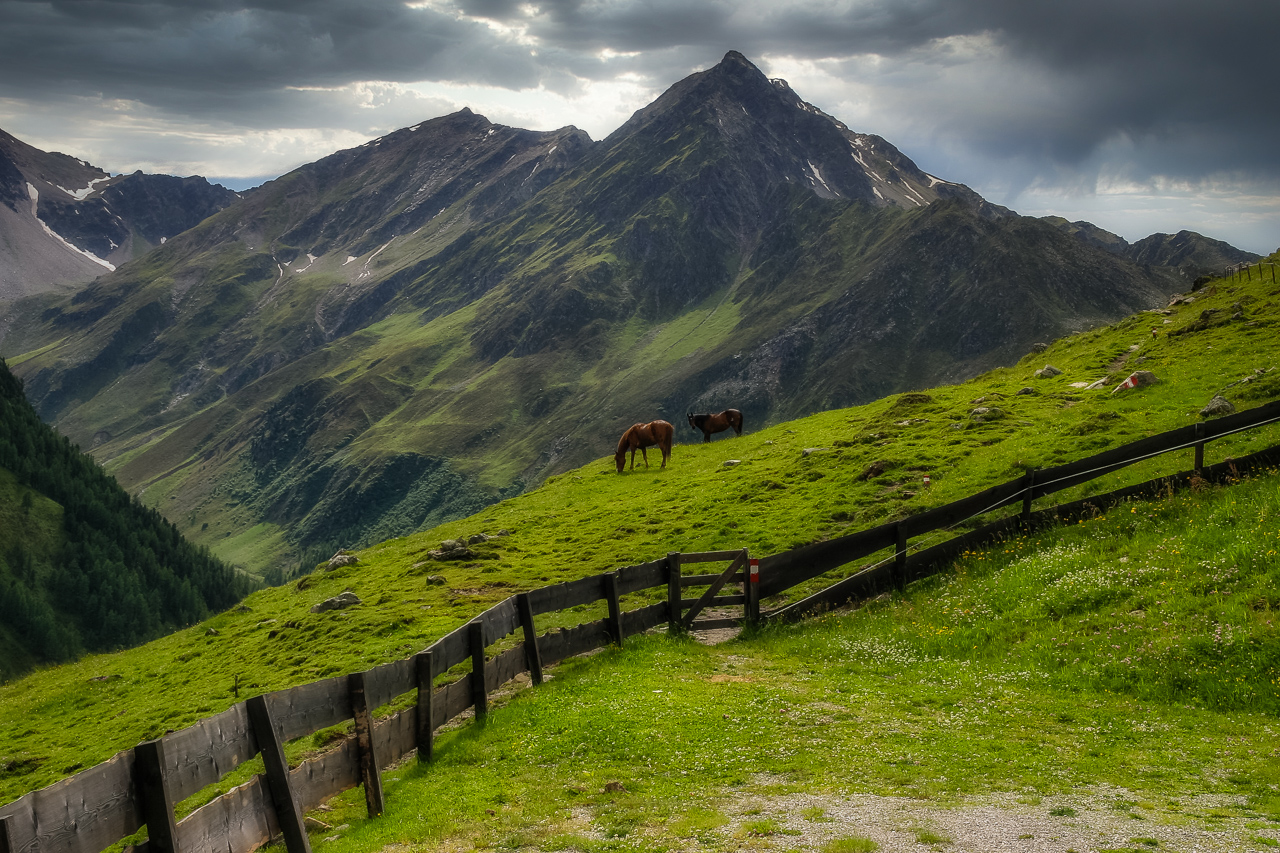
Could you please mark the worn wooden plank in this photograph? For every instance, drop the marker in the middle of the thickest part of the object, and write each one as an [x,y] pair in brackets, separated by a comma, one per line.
[562,596]
[239,821]
[85,813]
[718,601]
[155,796]
[574,641]
[708,557]
[387,681]
[326,775]
[451,649]
[19,822]
[202,754]
[703,580]
[864,584]
[779,572]
[370,769]
[645,618]
[308,708]
[504,667]
[532,659]
[271,744]
[501,620]
[641,577]
[396,736]
[453,699]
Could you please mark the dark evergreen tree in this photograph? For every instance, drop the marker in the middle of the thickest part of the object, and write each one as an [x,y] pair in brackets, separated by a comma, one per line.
[124,574]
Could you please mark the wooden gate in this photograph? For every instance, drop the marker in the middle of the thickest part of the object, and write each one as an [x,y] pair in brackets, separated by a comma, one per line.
[742,572]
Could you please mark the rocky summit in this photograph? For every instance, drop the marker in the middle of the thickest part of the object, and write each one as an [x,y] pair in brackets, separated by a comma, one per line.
[405,331]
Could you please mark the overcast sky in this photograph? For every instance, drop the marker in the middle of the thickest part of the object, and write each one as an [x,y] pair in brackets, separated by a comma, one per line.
[1137,115]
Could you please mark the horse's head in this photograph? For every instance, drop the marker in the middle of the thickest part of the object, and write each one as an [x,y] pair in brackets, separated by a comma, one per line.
[692,423]
[620,458]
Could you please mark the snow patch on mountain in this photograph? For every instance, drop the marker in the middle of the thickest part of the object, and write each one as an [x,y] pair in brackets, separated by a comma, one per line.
[35,201]
[82,194]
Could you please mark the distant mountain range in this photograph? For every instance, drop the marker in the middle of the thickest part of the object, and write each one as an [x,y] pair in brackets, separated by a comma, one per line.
[402,332]
[65,222]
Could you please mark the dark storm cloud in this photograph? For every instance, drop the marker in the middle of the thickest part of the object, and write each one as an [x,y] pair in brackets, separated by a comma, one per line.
[1002,94]
[163,52]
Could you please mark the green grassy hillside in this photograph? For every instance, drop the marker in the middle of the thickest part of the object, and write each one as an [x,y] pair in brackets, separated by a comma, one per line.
[1037,627]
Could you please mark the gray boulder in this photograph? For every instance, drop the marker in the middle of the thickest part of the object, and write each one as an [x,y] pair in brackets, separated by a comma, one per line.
[1219,405]
[339,602]
[1137,379]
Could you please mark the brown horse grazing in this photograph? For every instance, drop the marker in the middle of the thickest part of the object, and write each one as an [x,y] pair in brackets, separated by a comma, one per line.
[717,423]
[641,436]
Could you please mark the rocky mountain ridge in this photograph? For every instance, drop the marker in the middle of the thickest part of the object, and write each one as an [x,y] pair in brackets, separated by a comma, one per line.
[65,222]
[402,332]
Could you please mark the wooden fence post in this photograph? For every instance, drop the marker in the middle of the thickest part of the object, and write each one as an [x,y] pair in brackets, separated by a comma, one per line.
[370,775]
[288,813]
[615,606]
[157,802]
[1028,483]
[674,625]
[424,671]
[479,696]
[1199,463]
[532,656]
[751,593]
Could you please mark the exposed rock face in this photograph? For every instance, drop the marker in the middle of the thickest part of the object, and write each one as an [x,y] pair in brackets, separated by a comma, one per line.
[1216,407]
[339,602]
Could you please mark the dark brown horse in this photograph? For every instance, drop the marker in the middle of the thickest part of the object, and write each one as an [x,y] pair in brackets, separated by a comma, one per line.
[717,423]
[639,437]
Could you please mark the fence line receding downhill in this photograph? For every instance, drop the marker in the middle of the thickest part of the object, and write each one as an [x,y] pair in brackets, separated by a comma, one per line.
[112,801]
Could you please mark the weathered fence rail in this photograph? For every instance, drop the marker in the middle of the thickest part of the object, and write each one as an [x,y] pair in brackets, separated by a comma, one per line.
[103,805]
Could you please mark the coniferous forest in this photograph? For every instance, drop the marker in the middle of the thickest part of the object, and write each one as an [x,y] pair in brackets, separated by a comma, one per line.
[84,566]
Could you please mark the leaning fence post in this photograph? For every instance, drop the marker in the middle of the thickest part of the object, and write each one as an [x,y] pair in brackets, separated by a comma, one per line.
[288,812]
[479,694]
[615,606]
[532,657]
[674,625]
[369,773]
[157,802]
[1028,485]
[425,673]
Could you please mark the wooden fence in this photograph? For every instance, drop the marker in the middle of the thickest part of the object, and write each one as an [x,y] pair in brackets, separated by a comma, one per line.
[103,805]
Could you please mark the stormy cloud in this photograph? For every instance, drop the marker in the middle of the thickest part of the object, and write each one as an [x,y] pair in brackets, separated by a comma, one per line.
[1140,115]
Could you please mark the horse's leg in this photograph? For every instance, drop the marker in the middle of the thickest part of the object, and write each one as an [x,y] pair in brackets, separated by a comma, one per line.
[706,436]
[645,456]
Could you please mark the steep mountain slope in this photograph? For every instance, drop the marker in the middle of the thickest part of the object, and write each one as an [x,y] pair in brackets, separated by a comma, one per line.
[403,332]
[64,222]
[83,566]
